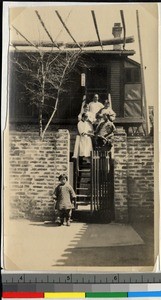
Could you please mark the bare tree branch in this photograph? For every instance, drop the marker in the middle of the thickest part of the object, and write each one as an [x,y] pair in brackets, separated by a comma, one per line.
[45,78]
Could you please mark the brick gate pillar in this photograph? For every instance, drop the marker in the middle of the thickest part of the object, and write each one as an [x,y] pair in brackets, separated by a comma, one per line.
[120,176]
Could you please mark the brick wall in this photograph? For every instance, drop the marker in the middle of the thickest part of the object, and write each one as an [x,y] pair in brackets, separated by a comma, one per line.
[133,177]
[34,169]
[140,176]
[35,166]
[120,176]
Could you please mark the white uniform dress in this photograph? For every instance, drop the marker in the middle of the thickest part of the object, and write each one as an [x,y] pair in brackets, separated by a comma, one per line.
[83,143]
[91,116]
[94,107]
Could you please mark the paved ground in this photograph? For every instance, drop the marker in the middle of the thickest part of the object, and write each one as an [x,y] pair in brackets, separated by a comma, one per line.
[43,246]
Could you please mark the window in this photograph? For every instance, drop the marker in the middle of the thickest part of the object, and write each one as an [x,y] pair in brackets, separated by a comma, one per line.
[132,91]
[132,75]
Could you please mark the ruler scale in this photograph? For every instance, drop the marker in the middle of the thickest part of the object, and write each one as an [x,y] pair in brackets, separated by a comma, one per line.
[81,278]
[80,286]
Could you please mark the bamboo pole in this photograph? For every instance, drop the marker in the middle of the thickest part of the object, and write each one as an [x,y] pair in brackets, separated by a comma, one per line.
[66,28]
[87,44]
[96,27]
[44,27]
[30,43]
[144,103]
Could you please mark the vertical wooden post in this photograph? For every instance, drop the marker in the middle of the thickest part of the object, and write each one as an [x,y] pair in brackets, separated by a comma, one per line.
[106,180]
[96,178]
[83,82]
[92,181]
[75,181]
[109,98]
[100,180]
[103,180]
[97,170]
[146,115]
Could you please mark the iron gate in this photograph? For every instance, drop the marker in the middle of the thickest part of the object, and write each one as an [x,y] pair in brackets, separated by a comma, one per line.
[102,182]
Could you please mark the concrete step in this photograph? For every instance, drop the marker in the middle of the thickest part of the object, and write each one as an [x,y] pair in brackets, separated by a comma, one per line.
[83,196]
[83,203]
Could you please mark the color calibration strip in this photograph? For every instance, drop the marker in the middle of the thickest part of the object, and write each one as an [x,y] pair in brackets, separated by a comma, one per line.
[60,295]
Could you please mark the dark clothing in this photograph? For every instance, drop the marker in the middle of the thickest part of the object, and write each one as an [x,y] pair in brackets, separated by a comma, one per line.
[103,135]
[64,195]
[105,128]
[64,214]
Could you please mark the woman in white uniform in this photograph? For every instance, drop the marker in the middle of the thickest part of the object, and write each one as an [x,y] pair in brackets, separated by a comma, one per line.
[83,144]
[91,116]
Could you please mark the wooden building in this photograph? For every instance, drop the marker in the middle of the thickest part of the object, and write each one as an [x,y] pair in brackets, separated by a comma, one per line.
[104,72]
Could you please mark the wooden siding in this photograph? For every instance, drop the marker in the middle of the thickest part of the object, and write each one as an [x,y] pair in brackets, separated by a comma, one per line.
[129,64]
[115,86]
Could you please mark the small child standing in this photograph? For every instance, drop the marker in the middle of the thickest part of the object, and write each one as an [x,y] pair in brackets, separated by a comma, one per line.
[64,194]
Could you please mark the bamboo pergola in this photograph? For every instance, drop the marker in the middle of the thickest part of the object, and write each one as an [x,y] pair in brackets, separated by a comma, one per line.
[83,46]
[74,44]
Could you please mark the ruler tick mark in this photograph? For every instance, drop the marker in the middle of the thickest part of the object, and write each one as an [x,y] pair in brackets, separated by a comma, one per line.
[76,279]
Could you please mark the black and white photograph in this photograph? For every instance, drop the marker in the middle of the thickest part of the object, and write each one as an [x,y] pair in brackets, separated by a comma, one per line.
[80,139]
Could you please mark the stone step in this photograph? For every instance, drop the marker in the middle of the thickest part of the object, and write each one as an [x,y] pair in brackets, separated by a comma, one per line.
[82,196]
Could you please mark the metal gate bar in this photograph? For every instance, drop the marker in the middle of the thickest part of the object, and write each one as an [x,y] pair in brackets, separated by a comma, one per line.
[96,182]
[91,180]
[100,180]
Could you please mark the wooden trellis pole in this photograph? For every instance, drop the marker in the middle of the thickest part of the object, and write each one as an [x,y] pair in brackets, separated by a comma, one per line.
[72,45]
[96,27]
[30,43]
[66,28]
[145,110]
[44,27]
